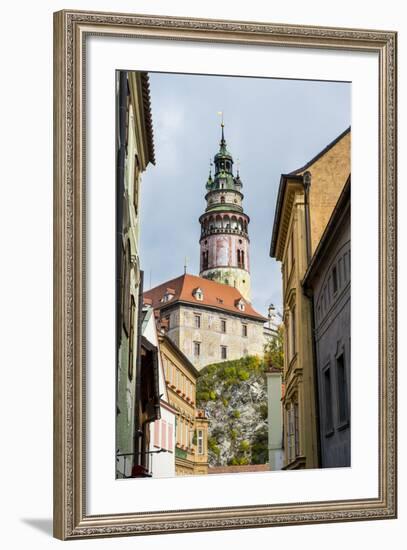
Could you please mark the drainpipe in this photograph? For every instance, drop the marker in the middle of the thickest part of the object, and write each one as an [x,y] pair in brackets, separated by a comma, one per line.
[306,181]
[309,294]
[137,398]
[121,156]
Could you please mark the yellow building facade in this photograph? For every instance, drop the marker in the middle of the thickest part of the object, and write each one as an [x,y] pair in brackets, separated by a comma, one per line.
[191,432]
[306,200]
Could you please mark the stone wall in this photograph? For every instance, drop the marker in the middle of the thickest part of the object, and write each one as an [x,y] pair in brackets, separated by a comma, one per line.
[184,332]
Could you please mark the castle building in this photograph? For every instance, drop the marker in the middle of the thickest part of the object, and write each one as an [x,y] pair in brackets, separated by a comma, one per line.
[210,317]
[224,241]
[208,321]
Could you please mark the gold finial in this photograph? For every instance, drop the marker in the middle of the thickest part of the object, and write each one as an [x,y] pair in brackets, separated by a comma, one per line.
[220,113]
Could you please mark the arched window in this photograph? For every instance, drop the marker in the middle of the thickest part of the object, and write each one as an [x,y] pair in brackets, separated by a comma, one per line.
[242,258]
[222,199]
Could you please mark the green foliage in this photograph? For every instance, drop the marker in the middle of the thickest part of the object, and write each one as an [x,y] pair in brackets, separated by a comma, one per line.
[274,350]
[260,447]
[263,410]
[239,461]
[244,445]
[243,374]
[236,414]
[227,374]
[213,446]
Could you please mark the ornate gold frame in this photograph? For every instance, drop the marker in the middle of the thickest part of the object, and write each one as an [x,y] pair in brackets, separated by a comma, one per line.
[70,31]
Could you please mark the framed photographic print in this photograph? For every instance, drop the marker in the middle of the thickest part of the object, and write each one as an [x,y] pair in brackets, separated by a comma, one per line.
[218,187]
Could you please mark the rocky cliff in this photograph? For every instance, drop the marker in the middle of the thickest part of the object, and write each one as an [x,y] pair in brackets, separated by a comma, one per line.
[234,396]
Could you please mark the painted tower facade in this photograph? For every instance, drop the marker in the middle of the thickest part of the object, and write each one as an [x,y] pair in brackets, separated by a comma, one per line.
[224,241]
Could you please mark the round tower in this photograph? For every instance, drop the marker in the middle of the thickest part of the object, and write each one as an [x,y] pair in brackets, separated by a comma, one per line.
[224,238]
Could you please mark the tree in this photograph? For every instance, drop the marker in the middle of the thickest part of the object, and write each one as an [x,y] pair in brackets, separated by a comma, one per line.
[274,350]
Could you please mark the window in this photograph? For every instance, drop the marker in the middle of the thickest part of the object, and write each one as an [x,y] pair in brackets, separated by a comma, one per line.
[198,294]
[181,432]
[131,339]
[222,200]
[223,325]
[197,321]
[126,289]
[197,349]
[334,280]
[328,401]
[240,258]
[244,330]
[293,431]
[200,441]
[136,184]
[163,434]
[170,442]
[157,433]
[290,434]
[296,430]
[342,389]
[223,352]
[168,321]
[293,335]
[288,257]
[345,267]
[205,260]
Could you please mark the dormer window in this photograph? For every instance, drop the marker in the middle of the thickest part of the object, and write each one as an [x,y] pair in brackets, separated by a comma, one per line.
[169,295]
[197,294]
[240,304]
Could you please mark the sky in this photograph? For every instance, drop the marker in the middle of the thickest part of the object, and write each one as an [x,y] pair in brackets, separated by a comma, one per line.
[272,127]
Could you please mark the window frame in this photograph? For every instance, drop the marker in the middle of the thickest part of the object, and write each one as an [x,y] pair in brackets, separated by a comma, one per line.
[197,348]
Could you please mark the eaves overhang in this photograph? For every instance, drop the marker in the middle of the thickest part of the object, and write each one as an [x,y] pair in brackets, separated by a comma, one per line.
[289,183]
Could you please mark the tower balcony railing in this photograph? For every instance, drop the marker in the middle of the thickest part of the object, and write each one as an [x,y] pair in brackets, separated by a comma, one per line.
[215,230]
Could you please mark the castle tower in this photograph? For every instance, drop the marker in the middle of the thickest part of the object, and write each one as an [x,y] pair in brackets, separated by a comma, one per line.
[224,238]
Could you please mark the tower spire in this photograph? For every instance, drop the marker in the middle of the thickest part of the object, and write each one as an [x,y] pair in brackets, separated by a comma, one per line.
[222,124]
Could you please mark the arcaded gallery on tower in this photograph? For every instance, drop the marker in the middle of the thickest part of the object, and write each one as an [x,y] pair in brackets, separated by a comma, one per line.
[210,316]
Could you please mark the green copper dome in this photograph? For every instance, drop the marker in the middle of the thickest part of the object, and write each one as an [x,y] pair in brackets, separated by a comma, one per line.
[223,178]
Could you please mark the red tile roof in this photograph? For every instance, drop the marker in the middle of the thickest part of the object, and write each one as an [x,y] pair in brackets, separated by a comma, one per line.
[215,295]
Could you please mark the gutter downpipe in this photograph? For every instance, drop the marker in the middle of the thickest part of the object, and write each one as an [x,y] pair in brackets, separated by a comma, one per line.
[137,398]
[309,294]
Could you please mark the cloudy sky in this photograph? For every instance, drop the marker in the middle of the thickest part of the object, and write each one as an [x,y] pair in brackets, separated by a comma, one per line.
[271,127]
